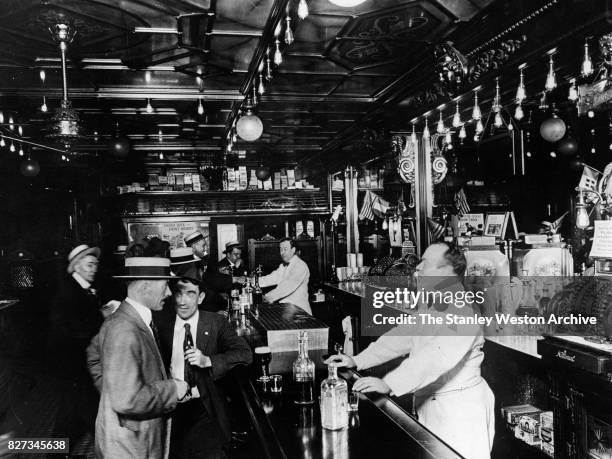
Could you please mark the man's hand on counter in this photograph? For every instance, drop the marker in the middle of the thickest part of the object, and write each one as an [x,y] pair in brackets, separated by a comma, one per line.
[342,360]
[371,384]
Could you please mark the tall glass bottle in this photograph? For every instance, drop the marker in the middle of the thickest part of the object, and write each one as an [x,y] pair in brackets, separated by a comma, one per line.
[303,372]
[334,400]
[257,293]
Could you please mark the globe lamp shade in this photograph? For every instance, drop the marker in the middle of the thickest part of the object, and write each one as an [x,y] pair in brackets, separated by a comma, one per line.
[30,168]
[120,147]
[262,173]
[567,147]
[553,129]
[249,127]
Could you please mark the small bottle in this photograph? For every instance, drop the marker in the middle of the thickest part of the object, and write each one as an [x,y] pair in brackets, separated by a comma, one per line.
[334,400]
[248,290]
[334,275]
[235,300]
[303,372]
[257,293]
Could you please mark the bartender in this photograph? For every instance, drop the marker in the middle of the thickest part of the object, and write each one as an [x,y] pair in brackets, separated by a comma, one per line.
[443,364]
[290,278]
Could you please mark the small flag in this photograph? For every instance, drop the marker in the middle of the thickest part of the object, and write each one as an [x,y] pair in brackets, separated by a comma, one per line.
[589,178]
[553,228]
[366,208]
[379,205]
[461,202]
[436,230]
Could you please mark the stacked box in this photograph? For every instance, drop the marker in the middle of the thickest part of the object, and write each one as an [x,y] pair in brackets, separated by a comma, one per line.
[532,439]
[513,413]
[231,180]
[243,178]
[277,180]
[253,182]
[290,178]
[548,448]
[197,186]
[268,184]
[188,184]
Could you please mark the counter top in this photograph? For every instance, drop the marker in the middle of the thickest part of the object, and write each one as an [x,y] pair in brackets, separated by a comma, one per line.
[352,288]
[524,344]
[379,429]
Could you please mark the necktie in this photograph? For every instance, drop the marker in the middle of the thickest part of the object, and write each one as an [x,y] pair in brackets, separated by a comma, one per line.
[155,334]
[188,344]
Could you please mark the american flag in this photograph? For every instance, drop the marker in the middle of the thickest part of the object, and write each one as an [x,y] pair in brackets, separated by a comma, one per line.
[436,230]
[589,178]
[366,208]
[461,202]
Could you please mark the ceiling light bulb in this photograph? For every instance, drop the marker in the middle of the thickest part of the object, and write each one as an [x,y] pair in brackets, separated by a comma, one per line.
[518,113]
[457,117]
[573,91]
[462,133]
[587,64]
[67,159]
[521,94]
[510,126]
[11,123]
[385,225]
[161,155]
[149,106]
[160,135]
[496,100]
[591,114]
[479,127]
[476,113]
[278,57]
[1,117]
[498,121]
[261,89]
[582,217]
[288,31]
[20,131]
[63,157]
[42,75]
[551,78]
[234,137]
[440,128]
[12,147]
[593,151]
[448,138]
[426,130]
[20,150]
[2,142]
[200,107]
[413,136]
[148,76]
[476,137]
[43,107]
[302,9]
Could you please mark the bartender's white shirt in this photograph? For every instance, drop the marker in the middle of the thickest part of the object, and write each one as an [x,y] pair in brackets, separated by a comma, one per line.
[291,284]
[177,362]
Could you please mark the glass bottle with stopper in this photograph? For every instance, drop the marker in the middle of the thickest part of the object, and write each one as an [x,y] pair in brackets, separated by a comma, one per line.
[303,372]
[334,400]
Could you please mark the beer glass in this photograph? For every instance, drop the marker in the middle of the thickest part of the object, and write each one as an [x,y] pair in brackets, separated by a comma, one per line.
[263,357]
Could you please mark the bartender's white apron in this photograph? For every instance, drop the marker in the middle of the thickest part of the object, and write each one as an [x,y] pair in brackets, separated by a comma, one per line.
[464,419]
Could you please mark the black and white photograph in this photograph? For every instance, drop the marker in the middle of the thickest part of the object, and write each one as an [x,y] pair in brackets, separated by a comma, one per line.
[306,229]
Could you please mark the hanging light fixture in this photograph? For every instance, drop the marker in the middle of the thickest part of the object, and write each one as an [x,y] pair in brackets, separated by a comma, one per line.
[288,31]
[448,138]
[476,113]
[462,133]
[260,88]
[12,147]
[441,128]
[234,136]
[20,150]
[2,142]
[551,77]
[1,117]
[255,96]
[20,131]
[161,155]
[11,123]
[160,136]
[249,126]
[479,127]
[200,107]
[518,113]
[587,64]
[521,94]
[385,224]
[65,122]
[268,65]
[278,57]
[413,136]
[302,9]
[42,75]
[457,116]
[43,107]
[426,132]
[498,121]
[149,106]
[573,91]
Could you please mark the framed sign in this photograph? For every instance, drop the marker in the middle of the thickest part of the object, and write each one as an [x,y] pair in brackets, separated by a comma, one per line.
[171,229]
[495,224]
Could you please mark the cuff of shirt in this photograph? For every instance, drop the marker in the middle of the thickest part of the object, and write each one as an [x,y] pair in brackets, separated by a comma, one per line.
[397,382]
[362,361]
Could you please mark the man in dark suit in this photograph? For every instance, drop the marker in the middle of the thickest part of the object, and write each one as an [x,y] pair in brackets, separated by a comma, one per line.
[230,268]
[75,318]
[200,427]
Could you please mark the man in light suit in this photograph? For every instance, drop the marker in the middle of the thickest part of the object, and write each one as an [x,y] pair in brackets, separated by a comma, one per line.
[126,366]
[291,279]
[443,365]
[200,427]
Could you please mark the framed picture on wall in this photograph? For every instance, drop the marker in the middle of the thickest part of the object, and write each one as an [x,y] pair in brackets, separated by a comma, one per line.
[495,224]
[171,229]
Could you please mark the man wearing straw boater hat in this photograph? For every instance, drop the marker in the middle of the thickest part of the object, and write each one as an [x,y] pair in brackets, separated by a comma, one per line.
[75,318]
[126,365]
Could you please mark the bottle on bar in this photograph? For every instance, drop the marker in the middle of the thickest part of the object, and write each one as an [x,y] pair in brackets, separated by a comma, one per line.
[303,372]
[257,293]
[334,275]
[248,290]
[334,400]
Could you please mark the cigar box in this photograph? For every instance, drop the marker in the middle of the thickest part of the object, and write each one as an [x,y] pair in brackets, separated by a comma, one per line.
[530,423]
[529,438]
[547,435]
[548,449]
[546,419]
[513,413]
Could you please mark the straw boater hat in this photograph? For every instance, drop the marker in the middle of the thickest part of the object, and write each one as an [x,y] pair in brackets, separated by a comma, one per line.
[78,253]
[154,268]
[120,250]
[230,245]
[193,238]
[181,256]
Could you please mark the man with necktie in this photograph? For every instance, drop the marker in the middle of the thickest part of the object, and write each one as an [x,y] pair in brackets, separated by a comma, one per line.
[200,347]
[290,278]
[136,393]
[75,318]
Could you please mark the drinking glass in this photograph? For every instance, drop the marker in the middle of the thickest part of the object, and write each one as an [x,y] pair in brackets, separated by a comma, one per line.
[276,383]
[353,400]
[263,356]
